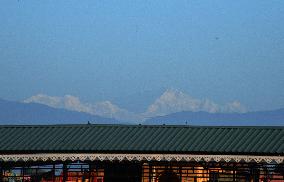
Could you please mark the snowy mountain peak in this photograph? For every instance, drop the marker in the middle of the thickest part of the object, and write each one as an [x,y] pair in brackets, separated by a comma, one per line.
[173,100]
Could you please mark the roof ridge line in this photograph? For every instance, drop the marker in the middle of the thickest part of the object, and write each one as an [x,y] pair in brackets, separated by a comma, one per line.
[136,125]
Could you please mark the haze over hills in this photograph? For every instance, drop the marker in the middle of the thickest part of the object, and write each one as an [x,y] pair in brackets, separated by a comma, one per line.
[170,101]
[32,113]
[260,118]
[171,107]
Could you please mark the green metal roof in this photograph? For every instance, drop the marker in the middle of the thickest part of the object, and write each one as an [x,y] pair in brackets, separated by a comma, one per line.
[141,139]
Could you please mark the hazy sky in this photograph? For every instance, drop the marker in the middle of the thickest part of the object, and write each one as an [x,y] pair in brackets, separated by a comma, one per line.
[124,49]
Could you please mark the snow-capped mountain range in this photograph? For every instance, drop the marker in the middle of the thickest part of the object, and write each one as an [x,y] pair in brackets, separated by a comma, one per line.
[171,101]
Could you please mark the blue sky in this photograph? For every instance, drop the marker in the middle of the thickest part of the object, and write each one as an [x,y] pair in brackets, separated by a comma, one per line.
[132,50]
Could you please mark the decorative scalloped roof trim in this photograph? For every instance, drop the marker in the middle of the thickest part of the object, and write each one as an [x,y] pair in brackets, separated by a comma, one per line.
[140,157]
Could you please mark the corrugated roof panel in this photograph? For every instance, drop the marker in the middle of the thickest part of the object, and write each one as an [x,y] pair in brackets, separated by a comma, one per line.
[86,141]
[238,140]
[199,139]
[97,137]
[213,141]
[242,140]
[180,146]
[220,141]
[204,143]
[262,137]
[177,136]
[165,139]
[276,142]
[20,139]
[250,141]
[131,143]
[256,141]
[226,141]
[123,136]
[269,136]
[74,138]
[120,143]
[190,140]
[33,139]
[150,143]
[139,138]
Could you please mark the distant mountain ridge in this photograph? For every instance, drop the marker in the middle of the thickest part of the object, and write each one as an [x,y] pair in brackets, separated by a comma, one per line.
[12,112]
[30,113]
[258,118]
[170,101]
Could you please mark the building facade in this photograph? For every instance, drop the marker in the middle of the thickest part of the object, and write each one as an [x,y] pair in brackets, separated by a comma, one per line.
[140,153]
